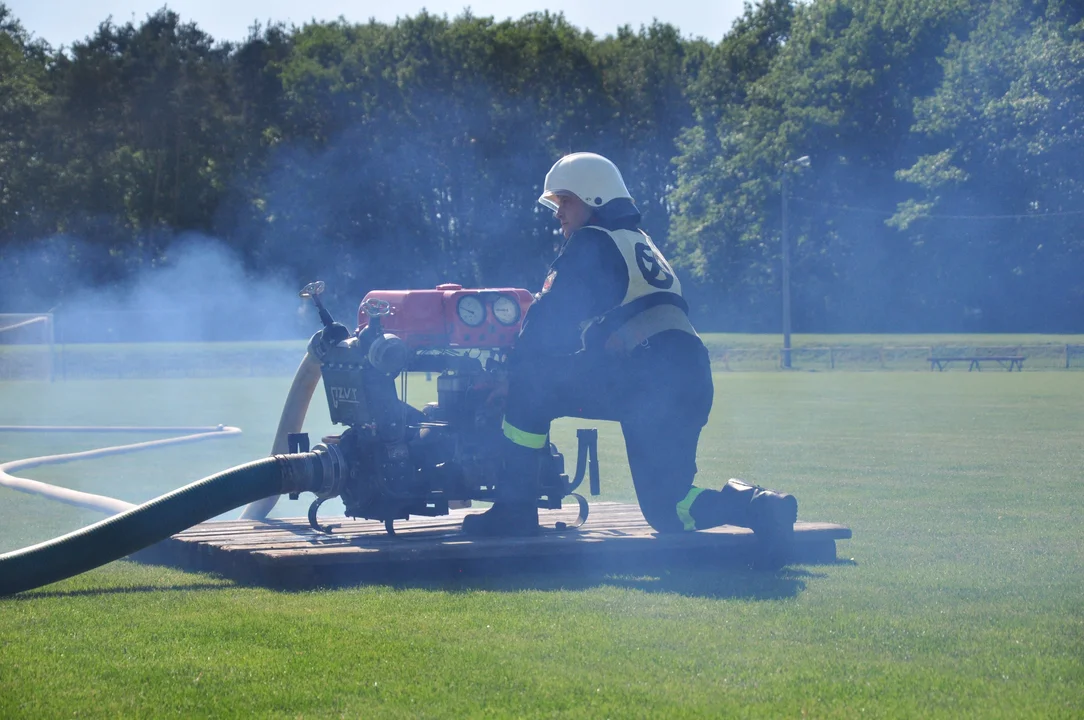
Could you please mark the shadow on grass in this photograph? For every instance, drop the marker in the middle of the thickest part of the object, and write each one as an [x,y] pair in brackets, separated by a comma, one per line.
[122,590]
[717,580]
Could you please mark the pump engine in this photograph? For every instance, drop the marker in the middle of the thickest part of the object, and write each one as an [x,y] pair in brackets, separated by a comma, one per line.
[395,460]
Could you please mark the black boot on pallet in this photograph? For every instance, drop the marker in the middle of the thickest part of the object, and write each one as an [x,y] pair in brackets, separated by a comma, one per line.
[504,519]
[515,511]
[769,514]
[771,517]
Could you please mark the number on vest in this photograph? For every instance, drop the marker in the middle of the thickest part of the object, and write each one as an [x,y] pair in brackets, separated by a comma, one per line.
[653,267]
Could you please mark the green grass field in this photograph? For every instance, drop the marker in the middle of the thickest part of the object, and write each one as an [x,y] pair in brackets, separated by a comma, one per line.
[965,597]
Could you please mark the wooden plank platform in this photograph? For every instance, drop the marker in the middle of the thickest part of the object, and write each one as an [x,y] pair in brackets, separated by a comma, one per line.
[288,553]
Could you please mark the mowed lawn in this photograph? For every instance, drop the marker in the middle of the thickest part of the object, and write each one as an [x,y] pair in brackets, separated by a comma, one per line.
[960,595]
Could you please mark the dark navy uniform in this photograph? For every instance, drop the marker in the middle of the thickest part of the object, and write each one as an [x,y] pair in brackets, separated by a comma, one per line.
[609,338]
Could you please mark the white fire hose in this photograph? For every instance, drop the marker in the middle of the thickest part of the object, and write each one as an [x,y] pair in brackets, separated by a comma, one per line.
[291,420]
[77,498]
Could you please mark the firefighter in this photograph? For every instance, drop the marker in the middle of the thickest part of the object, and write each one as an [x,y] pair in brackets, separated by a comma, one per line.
[609,338]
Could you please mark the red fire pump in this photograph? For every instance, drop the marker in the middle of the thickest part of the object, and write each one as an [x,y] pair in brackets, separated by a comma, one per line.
[394,460]
[451,317]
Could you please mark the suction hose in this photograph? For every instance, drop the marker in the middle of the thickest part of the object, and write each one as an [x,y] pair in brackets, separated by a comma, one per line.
[157,519]
[290,421]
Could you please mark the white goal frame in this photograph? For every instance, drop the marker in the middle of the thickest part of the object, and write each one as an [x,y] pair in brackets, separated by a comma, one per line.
[12,323]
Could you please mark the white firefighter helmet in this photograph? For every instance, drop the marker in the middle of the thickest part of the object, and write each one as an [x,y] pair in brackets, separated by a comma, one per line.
[590,177]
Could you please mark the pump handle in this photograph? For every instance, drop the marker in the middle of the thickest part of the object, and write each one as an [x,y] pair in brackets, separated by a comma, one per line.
[313,290]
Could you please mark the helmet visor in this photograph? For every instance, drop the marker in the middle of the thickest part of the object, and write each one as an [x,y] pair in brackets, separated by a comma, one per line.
[549,198]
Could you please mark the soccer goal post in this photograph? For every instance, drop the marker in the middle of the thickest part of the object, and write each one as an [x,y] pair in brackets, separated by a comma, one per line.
[27,343]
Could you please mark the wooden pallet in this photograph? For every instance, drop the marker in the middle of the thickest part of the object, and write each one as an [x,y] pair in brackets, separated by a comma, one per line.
[288,553]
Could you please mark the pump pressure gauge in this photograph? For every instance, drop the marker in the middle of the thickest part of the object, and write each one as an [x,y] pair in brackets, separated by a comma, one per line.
[471,310]
[506,310]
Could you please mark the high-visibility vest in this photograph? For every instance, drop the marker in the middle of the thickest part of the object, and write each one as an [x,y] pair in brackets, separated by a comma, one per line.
[652,304]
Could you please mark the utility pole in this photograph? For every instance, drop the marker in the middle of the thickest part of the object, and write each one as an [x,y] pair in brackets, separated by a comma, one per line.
[785,241]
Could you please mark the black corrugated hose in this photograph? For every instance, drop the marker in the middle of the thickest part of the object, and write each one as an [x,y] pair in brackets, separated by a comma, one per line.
[155,520]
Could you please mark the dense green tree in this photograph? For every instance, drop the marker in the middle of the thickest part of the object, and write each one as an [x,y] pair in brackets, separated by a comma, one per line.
[718,199]
[645,75]
[410,154]
[1000,196]
[428,139]
[840,89]
[148,114]
[24,102]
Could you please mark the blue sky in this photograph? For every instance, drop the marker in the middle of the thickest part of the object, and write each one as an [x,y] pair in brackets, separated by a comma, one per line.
[61,22]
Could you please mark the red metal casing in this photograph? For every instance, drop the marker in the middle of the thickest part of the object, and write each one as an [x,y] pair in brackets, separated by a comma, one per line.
[428,319]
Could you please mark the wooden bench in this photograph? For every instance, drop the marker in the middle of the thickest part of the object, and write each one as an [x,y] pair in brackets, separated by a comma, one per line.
[975,361]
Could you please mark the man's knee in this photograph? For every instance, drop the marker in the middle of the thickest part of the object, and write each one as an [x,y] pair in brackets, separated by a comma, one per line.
[661,518]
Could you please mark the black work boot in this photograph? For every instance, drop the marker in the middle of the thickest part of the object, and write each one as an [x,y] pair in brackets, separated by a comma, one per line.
[505,519]
[771,517]
[769,514]
[515,511]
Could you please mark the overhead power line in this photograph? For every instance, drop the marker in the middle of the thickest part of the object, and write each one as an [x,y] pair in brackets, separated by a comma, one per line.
[885,213]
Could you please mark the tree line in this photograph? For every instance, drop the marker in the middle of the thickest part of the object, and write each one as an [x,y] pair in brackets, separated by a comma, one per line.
[943,189]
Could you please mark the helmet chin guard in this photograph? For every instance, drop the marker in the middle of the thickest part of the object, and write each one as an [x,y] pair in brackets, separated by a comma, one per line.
[590,177]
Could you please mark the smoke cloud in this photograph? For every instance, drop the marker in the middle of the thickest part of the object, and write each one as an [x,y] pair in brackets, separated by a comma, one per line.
[198,292]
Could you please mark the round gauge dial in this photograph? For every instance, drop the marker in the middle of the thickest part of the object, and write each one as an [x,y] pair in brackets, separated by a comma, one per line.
[506,310]
[471,310]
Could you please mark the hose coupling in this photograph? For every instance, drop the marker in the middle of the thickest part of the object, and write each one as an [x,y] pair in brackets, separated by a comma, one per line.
[334,470]
[320,471]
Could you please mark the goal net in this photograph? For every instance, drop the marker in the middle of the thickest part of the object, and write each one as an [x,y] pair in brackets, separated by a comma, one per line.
[26,346]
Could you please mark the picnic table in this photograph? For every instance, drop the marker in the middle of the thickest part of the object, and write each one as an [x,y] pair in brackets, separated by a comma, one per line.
[975,361]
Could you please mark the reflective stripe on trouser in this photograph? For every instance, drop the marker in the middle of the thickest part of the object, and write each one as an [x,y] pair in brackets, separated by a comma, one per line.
[683,508]
[522,437]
